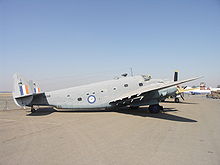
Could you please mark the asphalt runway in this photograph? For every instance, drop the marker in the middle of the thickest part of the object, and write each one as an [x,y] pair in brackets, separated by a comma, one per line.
[186,133]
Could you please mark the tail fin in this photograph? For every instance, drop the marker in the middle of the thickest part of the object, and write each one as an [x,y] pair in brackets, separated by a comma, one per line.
[21,87]
[36,87]
[23,90]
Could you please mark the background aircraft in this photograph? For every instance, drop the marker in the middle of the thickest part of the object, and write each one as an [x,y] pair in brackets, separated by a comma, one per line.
[201,90]
[126,91]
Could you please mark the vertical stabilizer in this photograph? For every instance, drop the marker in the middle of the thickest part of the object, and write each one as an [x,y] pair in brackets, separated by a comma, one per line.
[21,87]
[36,87]
[22,90]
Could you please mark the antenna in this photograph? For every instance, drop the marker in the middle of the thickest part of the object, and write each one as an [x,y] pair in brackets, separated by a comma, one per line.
[131,72]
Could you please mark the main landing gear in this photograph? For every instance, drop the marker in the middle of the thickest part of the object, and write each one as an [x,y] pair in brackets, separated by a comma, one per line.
[156,108]
[176,100]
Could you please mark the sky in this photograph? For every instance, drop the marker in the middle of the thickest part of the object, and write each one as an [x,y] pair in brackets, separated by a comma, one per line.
[64,43]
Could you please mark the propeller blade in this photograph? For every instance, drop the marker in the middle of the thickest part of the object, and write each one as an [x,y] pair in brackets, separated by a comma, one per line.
[182,96]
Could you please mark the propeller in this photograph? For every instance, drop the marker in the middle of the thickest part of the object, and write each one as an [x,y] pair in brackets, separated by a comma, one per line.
[180,92]
[182,96]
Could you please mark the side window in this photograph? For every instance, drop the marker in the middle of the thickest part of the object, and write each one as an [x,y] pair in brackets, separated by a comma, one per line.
[114,88]
[141,84]
[125,85]
[79,99]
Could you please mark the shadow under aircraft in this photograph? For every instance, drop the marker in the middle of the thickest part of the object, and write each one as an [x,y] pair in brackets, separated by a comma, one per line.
[142,112]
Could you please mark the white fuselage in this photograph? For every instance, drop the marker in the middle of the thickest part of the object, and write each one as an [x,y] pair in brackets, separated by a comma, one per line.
[99,95]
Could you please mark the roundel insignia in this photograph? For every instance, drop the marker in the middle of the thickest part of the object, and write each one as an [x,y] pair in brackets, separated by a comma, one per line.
[91,99]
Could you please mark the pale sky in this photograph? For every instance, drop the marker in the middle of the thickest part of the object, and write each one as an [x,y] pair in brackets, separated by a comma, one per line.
[63,43]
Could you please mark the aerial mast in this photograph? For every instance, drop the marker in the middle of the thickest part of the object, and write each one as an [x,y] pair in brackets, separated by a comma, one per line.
[131,72]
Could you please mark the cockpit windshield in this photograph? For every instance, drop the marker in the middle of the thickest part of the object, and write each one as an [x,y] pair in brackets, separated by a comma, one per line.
[146,77]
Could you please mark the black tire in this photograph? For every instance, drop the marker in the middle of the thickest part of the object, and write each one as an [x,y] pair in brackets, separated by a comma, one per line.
[177,100]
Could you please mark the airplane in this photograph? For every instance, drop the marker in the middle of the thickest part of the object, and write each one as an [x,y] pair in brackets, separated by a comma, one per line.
[201,90]
[198,91]
[124,91]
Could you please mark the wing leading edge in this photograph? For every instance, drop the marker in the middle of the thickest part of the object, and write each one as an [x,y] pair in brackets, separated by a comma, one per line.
[141,92]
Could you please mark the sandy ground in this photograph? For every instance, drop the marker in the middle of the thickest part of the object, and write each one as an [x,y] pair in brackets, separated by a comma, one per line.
[187,133]
[7,102]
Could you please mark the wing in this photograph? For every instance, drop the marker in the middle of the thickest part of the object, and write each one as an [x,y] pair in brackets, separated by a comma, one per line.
[141,92]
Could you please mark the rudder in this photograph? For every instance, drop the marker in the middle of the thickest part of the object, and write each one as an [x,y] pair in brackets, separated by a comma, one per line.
[22,90]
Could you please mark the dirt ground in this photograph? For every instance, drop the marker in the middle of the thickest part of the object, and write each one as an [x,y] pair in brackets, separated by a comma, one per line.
[186,133]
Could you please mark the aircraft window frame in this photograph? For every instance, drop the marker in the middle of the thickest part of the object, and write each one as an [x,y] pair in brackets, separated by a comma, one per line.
[146,77]
[79,99]
[141,84]
[125,85]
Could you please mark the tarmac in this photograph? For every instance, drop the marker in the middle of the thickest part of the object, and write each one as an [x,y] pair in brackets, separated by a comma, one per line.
[186,133]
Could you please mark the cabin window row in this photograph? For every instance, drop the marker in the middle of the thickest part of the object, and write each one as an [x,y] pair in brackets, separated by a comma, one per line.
[125,85]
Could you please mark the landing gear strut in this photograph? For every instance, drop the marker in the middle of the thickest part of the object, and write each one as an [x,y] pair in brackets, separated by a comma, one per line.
[33,110]
[134,107]
[156,108]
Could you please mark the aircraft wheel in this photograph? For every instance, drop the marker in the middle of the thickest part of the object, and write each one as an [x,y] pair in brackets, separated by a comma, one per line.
[177,100]
[155,108]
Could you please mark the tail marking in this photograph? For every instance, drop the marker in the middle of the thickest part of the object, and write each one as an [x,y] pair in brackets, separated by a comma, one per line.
[36,90]
[24,90]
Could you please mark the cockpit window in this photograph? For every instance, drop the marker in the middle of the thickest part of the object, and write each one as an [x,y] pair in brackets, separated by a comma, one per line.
[146,77]
[141,84]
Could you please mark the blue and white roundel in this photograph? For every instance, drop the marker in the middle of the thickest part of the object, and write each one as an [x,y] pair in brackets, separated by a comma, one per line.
[91,99]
